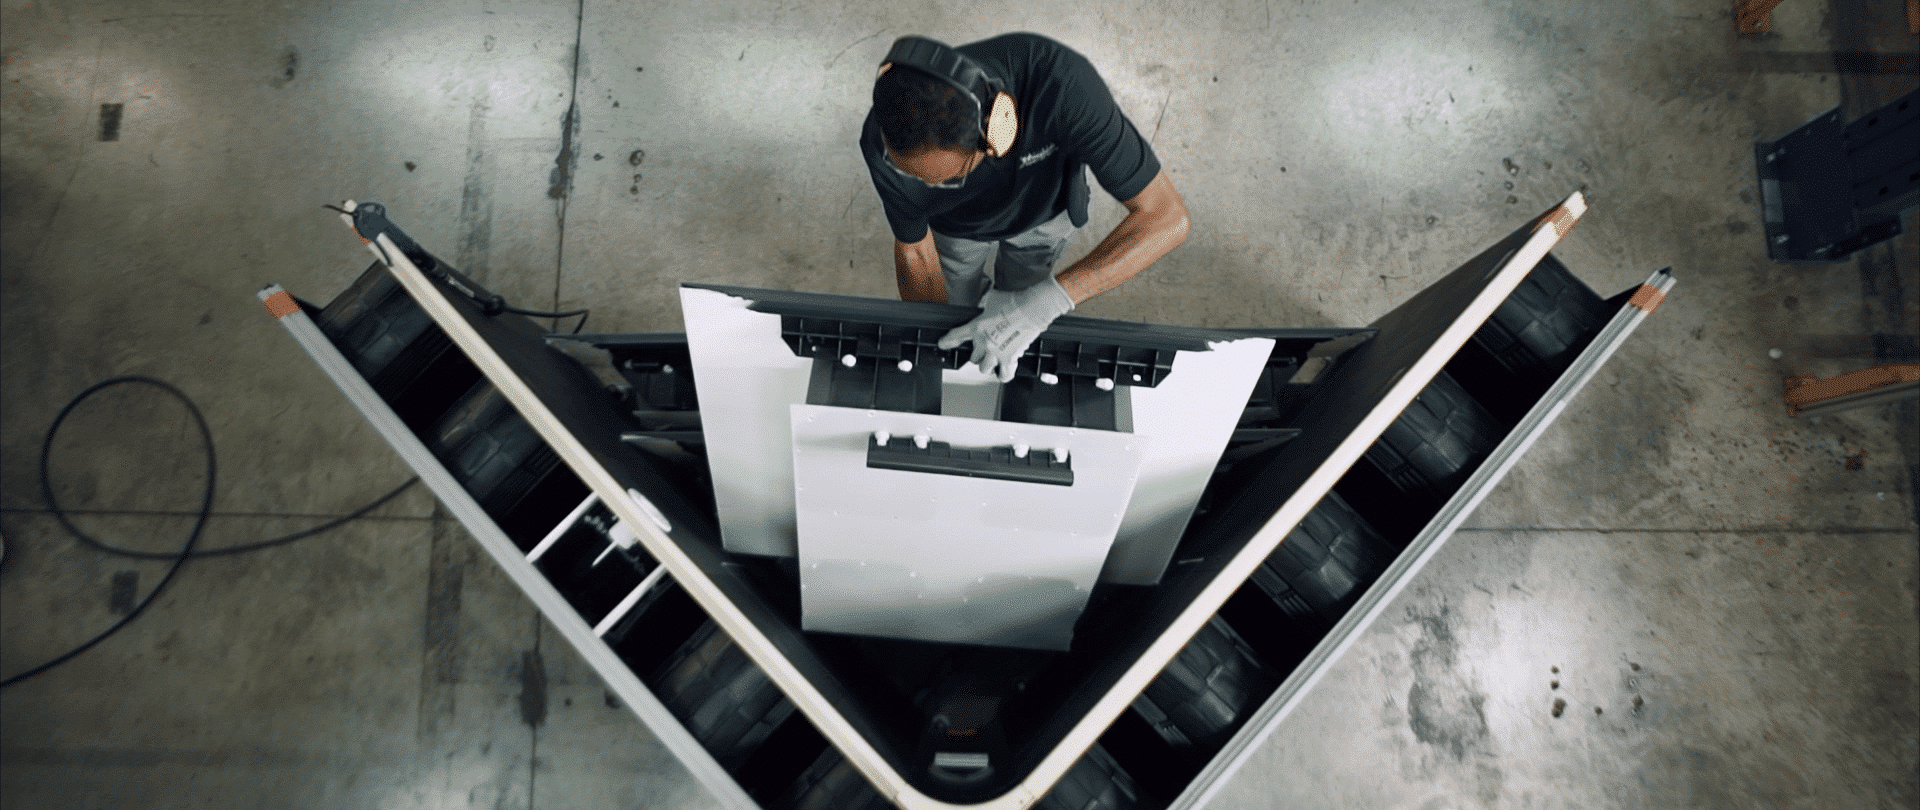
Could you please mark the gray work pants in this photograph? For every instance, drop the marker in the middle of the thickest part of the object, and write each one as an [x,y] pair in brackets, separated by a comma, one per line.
[1025,259]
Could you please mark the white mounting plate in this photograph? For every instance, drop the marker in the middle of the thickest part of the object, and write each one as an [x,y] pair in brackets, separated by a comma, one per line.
[951,558]
[747,377]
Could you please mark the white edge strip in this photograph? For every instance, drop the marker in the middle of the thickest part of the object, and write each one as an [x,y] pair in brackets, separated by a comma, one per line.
[825,716]
[561,529]
[1392,581]
[658,573]
[1398,397]
[458,501]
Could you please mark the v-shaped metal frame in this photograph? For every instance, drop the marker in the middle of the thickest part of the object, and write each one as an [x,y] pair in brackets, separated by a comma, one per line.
[1345,414]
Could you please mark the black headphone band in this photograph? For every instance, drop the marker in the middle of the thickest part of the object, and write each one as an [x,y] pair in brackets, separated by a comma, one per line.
[948,65]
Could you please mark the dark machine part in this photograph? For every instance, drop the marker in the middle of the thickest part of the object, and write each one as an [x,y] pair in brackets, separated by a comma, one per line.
[729,705]
[656,366]
[491,450]
[721,696]
[661,373]
[590,569]
[892,367]
[394,344]
[1536,332]
[816,325]
[1830,188]
[1421,459]
[1035,466]
[964,741]
[891,344]
[1072,401]
[869,381]
[831,783]
[1298,361]
[1349,538]
[370,222]
[1208,690]
[1096,782]
[1434,444]
[1227,671]
[1324,564]
[1120,364]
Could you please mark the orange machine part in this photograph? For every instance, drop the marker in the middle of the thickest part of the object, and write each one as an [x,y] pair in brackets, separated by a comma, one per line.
[1805,391]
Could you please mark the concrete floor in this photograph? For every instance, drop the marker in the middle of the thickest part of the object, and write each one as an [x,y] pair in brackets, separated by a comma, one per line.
[1724,596]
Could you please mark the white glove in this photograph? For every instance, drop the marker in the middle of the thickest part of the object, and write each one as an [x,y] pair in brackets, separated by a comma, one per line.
[1008,324]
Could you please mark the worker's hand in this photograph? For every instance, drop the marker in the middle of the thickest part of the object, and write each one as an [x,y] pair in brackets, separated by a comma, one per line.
[1008,324]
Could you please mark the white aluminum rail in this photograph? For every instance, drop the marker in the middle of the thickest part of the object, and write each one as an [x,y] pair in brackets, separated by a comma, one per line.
[1267,719]
[620,679]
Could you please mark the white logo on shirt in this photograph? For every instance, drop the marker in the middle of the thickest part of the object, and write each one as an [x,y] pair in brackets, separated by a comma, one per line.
[1035,157]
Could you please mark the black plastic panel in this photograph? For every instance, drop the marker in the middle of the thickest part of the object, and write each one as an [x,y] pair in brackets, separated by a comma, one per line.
[394,344]
[1431,448]
[831,783]
[1072,401]
[1547,320]
[941,458]
[491,450]
[721,696]
[1096,782]
[1208,689]
[876,384]
[1324,564]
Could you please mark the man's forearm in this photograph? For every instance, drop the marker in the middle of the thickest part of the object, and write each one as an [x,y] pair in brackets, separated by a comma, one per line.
[1156,223]
[916,268]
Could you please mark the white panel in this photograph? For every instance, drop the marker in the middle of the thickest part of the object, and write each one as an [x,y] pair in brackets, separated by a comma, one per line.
[952,558]
[1189,418]
[745,376]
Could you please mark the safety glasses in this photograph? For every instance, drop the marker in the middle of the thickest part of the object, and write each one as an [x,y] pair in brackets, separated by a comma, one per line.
[958,182]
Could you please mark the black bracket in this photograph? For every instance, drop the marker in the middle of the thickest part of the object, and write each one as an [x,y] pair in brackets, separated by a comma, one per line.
[1005,463]
[1051,358]
[1075,401]
[1830,188]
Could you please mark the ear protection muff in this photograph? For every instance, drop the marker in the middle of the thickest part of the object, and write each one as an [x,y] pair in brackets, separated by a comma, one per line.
[993,107]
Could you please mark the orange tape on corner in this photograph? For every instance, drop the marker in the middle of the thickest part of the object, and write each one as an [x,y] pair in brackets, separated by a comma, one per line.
[1563,221]
[281,304]
[1647,298]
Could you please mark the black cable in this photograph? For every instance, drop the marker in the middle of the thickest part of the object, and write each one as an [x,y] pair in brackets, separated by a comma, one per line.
[490,303]
[303,534]
[538,314]
[186,551]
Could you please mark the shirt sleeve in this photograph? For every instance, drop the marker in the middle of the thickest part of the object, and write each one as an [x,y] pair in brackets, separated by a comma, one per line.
[1122,161]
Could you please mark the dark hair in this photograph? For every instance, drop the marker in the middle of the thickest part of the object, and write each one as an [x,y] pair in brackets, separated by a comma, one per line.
[916,110]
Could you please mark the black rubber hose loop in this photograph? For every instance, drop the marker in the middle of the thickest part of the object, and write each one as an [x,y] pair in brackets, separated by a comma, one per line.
[186,551]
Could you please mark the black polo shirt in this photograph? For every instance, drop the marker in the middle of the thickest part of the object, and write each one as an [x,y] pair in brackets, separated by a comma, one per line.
[1068,119]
